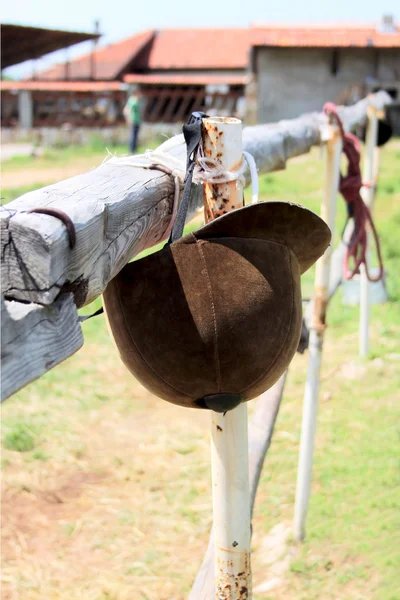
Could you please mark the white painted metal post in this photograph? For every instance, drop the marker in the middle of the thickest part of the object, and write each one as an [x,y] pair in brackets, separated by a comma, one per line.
[231,504]
[321,291]
[368,194]
[222,143]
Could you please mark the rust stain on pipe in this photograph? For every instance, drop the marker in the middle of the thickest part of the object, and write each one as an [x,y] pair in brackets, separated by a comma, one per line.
[219,198]
[233,585]
[319,316]
[232,568]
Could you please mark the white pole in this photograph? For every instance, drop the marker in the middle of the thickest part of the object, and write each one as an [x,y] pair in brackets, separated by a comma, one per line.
[321,291]
[231,504]
[368,193]
[25,109]
[222,142]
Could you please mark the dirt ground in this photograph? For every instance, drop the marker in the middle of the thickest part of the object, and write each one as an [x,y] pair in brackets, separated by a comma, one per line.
[86,518]
[33,175]
[113,499]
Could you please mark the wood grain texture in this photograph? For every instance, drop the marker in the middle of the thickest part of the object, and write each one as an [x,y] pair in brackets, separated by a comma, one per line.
[261,429]
[35,339]
[274,143]
[119,210]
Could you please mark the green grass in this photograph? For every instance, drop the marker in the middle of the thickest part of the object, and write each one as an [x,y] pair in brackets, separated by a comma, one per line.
[145,501]
[84,157]
[55,156]
[355,507]
[51,157]
[19,438]
[9,194]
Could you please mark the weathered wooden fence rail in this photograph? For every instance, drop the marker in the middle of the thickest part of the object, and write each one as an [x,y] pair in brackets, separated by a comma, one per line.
[118,210]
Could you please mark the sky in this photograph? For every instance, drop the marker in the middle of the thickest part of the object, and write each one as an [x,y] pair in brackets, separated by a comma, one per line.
[123,18]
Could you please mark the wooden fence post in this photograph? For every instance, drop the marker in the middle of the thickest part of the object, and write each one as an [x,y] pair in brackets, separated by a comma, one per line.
[368,194]
[222,142]
[118,210]
[317,325]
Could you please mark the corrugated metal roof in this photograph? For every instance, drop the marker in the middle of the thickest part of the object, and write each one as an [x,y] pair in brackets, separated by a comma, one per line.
[20,43]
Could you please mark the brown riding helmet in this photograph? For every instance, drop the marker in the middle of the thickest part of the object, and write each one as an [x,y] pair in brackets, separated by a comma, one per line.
[215,318]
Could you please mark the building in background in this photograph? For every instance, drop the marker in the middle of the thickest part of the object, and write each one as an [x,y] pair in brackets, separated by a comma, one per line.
[296,70]
[262,74]
[178,71]
[21,101]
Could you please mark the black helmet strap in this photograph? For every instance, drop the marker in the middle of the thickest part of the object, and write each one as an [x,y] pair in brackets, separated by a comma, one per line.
[192,132]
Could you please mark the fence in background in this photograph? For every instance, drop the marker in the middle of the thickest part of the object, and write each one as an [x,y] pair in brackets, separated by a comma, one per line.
[119,210]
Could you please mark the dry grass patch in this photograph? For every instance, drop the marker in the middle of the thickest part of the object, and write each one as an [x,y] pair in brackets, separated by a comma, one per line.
[106,489]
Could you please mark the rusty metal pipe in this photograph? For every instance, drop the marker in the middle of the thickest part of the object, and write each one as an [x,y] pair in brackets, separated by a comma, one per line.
[222,142]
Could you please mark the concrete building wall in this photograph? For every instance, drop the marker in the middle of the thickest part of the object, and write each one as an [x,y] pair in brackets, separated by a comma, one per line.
[389,65]
[25,109]
[295,81]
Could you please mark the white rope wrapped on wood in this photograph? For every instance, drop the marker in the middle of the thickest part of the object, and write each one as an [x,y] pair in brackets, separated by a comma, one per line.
[207,170]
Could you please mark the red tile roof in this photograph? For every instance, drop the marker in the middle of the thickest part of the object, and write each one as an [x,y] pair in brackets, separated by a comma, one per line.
[211,49]
[67,86]
[199,49]
[184,79]
[109,61]
[338,36]
[170,49]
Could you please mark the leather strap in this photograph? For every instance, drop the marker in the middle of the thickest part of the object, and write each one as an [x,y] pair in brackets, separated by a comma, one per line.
[59,214]
[192,133]
[100,311]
